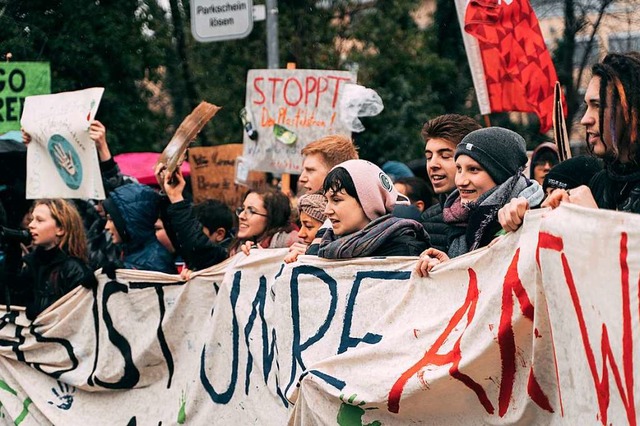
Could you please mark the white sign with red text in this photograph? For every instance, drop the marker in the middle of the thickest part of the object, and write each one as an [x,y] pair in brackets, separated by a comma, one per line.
[290,109]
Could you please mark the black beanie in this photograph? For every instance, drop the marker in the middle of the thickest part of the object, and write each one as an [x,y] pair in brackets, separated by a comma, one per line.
[572,173]
[501,152]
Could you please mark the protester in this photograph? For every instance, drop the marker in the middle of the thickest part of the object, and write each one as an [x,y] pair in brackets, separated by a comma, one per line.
[199,246]
[101,248]
[264,222]
[441,135]
[543,158]
[612,131]
[59,262]
[571,173]
[360,199]
[132,211]
[489,165]
[320,156]
[417,190]
[311,211]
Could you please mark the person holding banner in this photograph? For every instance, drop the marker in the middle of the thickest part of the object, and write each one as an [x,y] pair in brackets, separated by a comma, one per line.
[360,200]
[59,262]
[612,124]
[264,222]
[442,134]
[489,165]
[311,209]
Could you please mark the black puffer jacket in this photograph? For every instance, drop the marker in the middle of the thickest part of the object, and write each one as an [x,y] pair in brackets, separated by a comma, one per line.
[48,275]
[433,222]
[188,238]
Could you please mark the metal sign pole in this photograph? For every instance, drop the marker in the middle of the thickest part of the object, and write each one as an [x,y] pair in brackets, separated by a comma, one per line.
[273,49]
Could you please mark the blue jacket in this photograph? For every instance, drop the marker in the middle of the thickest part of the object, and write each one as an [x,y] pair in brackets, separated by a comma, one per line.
[134,209]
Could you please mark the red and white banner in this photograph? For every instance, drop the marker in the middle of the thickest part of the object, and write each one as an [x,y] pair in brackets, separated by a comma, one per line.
[541,328]
[510,64]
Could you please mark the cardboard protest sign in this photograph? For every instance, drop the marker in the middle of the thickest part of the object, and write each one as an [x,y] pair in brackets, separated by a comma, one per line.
[503,335]
[213,171]
[62,161]
[289,109]
[17,81]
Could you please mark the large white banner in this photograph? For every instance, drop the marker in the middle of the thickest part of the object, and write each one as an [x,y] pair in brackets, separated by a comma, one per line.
[62,161]
[541,328]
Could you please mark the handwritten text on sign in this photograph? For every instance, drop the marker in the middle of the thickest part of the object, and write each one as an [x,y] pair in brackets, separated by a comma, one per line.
[213,171]
[304,102]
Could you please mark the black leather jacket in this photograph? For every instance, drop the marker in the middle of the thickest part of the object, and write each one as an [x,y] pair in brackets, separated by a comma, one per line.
[46,276]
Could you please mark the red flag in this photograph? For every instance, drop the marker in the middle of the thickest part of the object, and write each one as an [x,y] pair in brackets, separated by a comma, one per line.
[518,72]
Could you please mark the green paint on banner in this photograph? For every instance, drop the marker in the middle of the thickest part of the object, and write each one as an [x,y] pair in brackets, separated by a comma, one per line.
[351,415]
[25,411]
[17,81]
[4,386]
[182,412]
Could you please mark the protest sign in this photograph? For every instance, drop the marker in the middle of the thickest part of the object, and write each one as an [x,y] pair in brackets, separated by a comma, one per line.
[17,81]
[502,335]
[62,161]
[289,109]
[213,171]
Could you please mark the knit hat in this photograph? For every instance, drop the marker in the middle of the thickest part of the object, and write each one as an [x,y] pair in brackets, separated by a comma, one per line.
[313,205]
[572,173]
[375,190]
[501,152]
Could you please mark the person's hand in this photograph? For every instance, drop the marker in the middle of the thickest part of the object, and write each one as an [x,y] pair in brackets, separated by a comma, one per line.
[555,198]
[428,260]
[295,250]
[173,186]
[185,274]
[98,133]
[26,137]
[511,214]
[247,246]
[582,196]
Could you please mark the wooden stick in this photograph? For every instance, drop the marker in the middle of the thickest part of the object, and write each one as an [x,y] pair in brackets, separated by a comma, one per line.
[285,181]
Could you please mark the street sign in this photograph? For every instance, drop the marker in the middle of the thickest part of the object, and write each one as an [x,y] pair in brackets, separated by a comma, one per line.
[216,20]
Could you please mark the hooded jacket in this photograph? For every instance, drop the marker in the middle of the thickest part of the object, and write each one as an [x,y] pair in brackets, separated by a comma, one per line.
[134,209]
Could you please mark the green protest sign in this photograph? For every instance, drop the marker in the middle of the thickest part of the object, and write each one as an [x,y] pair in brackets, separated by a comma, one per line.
[17,81]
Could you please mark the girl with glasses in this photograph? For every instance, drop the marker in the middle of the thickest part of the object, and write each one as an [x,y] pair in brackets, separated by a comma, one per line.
[264,221]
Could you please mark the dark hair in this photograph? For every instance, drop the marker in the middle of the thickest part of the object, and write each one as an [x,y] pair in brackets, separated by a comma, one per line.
[620,73]
[451,127]
[214,214]
[417,189]
[278,209]
[337,179]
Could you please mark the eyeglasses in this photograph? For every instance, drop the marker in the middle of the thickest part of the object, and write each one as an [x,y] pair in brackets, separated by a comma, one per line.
[250,211]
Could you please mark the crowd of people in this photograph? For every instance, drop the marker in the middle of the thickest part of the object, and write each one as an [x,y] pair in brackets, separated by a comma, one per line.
[345,207]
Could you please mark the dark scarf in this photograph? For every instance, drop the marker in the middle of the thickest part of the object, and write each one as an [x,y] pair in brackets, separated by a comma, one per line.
[617,187]
[368,240]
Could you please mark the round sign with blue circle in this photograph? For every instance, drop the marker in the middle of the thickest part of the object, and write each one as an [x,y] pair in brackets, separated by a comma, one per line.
[67,161]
